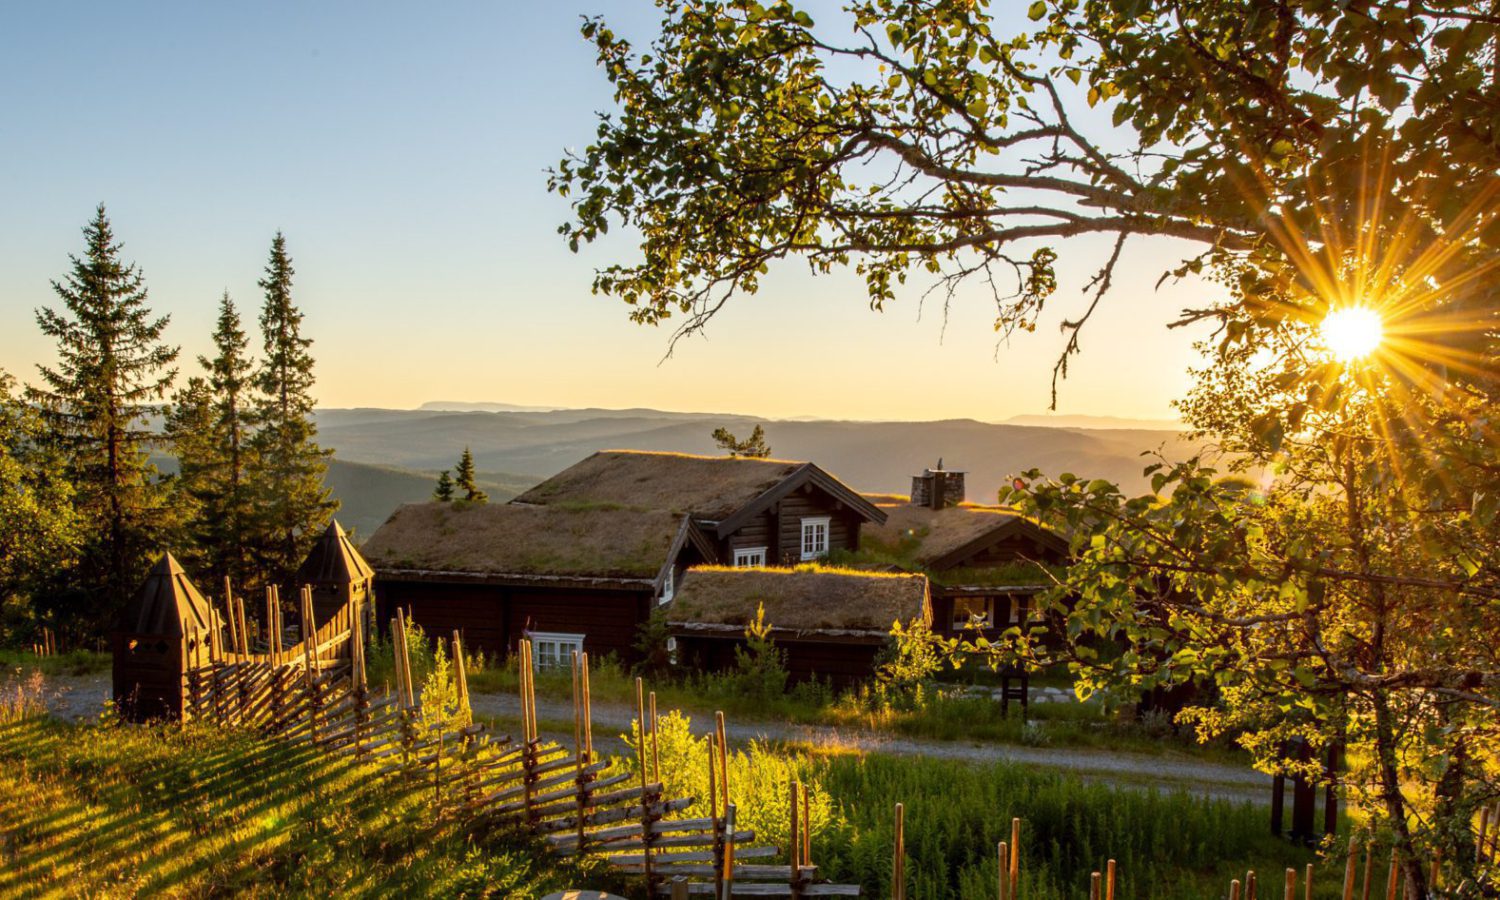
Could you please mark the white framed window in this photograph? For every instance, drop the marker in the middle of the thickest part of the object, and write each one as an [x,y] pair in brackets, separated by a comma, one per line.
[750,557]
[552,649]
[668,587]
[969,611]
[814,537]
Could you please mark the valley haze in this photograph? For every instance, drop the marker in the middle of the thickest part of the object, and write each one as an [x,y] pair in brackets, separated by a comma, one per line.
[386,457]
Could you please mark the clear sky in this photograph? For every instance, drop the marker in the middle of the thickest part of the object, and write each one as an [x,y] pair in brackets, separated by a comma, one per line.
[402,148]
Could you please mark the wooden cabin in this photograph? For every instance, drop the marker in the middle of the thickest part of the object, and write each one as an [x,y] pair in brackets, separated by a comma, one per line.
[337,574]
[986,563]
[164,631]
[580,560]
[831,623]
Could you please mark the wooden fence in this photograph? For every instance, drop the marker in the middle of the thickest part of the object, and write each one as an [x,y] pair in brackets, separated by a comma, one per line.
[317,691]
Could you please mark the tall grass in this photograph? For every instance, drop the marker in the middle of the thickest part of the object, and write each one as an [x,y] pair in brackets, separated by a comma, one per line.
[101,810]
[73,662]
[1168,846]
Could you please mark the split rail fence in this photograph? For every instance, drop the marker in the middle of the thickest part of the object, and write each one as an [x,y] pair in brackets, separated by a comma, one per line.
[317,691]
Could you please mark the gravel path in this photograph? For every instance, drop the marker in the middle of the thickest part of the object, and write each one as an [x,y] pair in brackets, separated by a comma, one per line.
[83,697]
[1164,772]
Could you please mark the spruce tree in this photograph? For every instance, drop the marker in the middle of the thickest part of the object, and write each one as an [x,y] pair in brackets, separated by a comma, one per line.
[112,364]
[465,480]
[292,505]
[210,434]
[443,493]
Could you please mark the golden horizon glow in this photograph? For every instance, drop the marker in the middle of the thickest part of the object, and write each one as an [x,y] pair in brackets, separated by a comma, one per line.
[1352,332]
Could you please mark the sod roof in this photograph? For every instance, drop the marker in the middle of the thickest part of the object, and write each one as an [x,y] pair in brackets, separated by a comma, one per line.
[926,535]
[507,539]
[708,487]
[806,598]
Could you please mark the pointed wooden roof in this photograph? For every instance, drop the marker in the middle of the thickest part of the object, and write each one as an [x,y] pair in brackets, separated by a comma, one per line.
[333,560]
[165,601]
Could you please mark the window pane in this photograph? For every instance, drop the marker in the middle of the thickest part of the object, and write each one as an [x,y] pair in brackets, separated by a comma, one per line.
[965,609]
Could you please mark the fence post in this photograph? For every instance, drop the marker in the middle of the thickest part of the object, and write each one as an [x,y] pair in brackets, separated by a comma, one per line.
[640,750]
[898,856]
[1109,880]
[1004,871]
[726,884]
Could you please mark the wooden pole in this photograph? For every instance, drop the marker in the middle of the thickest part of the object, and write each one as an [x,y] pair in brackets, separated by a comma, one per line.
[1004,871]
[726,885]
[1250,885]
[1364,891]
[1291,884]
[588,709]
[1109,880]
[1479,841]
[1015,855]
[655,747]
[794,839]
[1095,881]
[1308,892]
[898,860]
[806,828]
[640,751]
[1351,865]
[460,676]
[723,758]
[1392,879]
[1234,889]
[713,814]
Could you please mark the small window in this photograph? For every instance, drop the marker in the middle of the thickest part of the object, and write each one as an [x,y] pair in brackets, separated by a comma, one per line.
[814,538]
[968,611]
[668,586]
[553,650]
[750,558]
[1020,607]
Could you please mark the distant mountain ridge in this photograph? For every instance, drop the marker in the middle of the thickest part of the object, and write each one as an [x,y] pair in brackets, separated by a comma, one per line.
[869,456]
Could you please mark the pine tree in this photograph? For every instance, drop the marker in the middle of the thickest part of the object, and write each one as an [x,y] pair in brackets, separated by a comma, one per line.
[292,505]
[465,480]
[112,363]
[444,491]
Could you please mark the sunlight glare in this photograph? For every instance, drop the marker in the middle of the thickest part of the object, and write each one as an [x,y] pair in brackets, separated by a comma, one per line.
[1352,332]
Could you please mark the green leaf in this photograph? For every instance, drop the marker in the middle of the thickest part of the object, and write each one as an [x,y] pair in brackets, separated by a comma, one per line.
[1037,10]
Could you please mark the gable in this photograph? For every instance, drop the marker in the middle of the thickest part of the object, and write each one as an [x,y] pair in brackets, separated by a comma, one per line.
[1014,540]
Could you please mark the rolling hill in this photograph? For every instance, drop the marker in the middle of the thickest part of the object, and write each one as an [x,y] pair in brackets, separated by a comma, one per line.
[870,456]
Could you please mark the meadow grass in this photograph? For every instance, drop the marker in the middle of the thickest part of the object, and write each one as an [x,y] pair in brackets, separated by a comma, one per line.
[104,810]
[73,662]
[1169,846]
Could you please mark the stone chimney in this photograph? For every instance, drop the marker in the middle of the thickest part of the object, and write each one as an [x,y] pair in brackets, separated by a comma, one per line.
[937,488]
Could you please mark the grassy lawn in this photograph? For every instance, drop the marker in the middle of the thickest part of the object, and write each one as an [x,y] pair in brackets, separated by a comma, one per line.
[74,662]
[103,811]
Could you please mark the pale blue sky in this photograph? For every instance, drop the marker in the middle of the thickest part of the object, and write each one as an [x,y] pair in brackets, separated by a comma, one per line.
[402,149]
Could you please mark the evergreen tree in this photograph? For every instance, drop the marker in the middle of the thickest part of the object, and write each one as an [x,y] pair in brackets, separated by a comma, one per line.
[112,363]
[210,434]
[444,491]
[465,479]
[292,505]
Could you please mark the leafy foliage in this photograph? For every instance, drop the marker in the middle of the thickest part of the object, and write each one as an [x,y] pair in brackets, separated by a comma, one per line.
[443,492]
[759,665]
[752,447]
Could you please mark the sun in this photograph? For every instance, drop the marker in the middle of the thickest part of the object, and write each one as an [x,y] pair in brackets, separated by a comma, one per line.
[1352,332]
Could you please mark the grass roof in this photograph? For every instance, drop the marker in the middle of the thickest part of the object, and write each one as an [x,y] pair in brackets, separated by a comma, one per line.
[504,539]
[923,535]
[805,598]
[708,487]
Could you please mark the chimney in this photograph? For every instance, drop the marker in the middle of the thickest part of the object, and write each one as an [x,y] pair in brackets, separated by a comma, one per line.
[937,488]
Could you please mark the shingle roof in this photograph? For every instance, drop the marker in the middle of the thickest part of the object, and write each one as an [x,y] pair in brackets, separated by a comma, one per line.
[164,601]
[708,487]
[333,560]
[806,598]
[505,539]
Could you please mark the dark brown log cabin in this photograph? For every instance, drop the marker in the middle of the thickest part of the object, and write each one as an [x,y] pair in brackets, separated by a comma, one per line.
[830,623]
[986,563]
[580,560]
